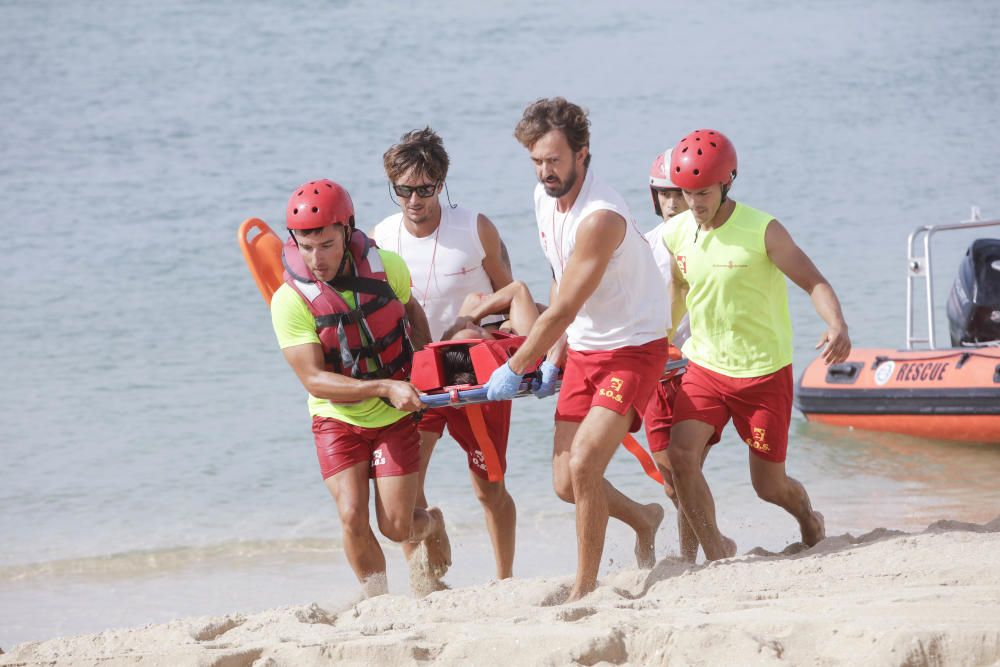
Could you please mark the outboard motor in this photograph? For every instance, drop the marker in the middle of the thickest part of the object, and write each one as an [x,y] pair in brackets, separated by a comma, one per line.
[974,302]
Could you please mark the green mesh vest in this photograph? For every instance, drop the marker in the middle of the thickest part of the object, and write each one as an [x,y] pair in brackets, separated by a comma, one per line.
[737,298]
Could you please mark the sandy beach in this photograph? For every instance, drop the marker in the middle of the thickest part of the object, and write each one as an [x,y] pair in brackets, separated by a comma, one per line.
[161,501]
[883,598]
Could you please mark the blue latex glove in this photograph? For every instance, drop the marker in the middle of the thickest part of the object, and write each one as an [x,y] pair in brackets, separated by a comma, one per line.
[503,384]
[547,386]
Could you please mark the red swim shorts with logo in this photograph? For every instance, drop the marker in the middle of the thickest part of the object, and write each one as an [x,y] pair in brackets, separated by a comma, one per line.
[615,379]
[659,415]
[496,416]
[391,451]
[760,407]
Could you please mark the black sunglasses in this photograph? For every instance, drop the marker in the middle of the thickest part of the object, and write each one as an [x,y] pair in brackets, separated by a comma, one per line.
[423,191]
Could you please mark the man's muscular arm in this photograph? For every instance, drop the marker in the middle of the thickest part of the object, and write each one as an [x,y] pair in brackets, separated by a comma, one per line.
[420,330]
[597,238]
[307,362]
[795,264]
[497,270]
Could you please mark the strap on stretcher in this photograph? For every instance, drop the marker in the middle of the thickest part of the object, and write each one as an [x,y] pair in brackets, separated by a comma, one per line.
[494,472]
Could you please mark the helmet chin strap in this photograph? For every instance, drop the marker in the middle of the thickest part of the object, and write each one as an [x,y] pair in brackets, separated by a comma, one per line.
[344,257]
[727,187]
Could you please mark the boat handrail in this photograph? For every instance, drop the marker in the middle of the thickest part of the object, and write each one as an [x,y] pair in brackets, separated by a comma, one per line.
[920,267]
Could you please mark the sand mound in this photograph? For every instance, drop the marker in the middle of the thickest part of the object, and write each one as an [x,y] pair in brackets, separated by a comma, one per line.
[884,598]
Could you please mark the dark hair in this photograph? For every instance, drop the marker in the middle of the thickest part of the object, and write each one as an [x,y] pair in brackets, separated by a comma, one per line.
[306,232]
[547,114]
[422,150]
[458,367]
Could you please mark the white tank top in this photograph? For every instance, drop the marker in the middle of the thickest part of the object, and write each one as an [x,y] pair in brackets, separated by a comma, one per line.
[654,237]
[662,257]
[444,266]
[629,306]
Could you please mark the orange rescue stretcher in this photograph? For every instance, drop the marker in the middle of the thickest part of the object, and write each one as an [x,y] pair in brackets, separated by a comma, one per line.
[261,249]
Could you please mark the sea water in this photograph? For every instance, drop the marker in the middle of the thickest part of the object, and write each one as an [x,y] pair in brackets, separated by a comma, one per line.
[155,453]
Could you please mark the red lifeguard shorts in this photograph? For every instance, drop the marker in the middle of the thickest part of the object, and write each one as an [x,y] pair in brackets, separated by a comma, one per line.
[496,415]
[760,407]
[619,380]
[659,415]
[391,451]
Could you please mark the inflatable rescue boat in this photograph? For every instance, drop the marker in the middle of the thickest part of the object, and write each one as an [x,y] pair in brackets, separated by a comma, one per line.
[926,390]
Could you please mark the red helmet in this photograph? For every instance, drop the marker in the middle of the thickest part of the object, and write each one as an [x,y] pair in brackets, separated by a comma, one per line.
[318,204]
[702,159]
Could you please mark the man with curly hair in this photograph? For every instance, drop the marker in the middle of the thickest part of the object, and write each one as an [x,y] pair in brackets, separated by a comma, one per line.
[609,300]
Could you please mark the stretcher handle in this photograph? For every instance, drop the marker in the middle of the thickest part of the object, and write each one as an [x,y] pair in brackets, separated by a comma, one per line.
[674,365]
[466,396]
[478,394]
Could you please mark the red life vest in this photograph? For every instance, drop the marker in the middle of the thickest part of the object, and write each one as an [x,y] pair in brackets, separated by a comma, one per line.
[368,342]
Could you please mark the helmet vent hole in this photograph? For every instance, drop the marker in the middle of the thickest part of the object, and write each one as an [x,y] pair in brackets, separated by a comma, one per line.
[315,210]
[696,172]
[315,191]
[300,193]
[329,186]
[713,144]
[685,150]
[295,211]
[699,151]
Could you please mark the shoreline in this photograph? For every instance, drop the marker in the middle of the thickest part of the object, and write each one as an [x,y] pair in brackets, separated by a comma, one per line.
[886,597]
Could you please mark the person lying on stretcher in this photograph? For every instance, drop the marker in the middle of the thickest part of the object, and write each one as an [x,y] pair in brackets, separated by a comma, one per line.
[515,300]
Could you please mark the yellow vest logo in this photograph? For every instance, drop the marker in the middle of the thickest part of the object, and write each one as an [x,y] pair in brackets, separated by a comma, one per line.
[730,265]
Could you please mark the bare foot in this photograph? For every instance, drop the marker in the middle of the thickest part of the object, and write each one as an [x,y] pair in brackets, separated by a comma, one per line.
[579,592]
[422,583]
[814,530]
[645,540]
[375,584]
[431,558]
[727,549]
[729,546]
[438,546]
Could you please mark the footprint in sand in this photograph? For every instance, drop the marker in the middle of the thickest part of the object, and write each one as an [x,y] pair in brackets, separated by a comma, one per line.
[556,596]
[574,614]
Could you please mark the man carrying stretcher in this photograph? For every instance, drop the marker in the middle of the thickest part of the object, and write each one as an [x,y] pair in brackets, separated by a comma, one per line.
[608,298]
[341,322]
[450,251]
